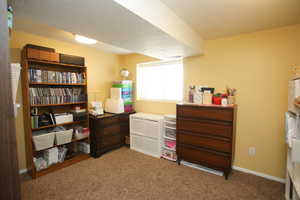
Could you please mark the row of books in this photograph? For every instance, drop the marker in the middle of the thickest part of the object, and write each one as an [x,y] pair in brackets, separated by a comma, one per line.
[56,95]
[44,76]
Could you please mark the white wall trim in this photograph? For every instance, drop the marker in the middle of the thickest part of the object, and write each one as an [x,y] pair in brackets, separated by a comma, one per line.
[273,178]
[22,171]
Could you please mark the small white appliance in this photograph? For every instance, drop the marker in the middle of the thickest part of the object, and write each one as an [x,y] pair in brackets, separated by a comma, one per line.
[114,106]
[97,108]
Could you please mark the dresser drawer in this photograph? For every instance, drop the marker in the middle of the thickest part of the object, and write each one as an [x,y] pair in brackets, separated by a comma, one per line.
[110,130]
[205,127]
[124,129]
[204,141]
[124,118]
[110,141]
[107,121]
[222,114]
[203,157]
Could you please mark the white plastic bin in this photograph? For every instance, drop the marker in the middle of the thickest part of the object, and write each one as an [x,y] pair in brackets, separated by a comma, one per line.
[170,118]
[43,140]
[63,137]
[171,133]
[171,125]
[168,154]
[170,144]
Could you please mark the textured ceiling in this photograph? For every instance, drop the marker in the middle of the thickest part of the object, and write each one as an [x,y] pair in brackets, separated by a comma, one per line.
[105,21]
[219,18]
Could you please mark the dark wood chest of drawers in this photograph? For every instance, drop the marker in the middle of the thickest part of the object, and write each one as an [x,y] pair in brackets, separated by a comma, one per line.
[206,135]
[108,132]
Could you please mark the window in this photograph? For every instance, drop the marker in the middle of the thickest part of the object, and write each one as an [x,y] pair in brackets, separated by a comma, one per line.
[160,81]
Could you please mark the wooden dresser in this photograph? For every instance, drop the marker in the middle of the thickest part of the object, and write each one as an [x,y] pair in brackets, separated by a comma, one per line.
[108,132]
[206,135]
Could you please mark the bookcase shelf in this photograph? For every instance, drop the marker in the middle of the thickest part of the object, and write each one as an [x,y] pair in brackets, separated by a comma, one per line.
[30,87]
[73,140]
[54,63]
[66,163]
[55,125]
[58,84]
[63,104]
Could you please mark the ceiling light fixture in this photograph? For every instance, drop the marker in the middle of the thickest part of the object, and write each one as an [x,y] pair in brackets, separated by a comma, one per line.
[84,40]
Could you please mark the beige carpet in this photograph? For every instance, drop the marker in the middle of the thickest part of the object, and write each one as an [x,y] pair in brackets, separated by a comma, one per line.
[126,174]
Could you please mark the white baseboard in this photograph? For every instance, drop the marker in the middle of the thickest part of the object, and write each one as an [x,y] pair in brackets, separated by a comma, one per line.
[273,178]
[22,171]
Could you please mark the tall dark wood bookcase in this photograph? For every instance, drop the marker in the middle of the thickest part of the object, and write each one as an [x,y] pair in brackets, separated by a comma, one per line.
[30,63]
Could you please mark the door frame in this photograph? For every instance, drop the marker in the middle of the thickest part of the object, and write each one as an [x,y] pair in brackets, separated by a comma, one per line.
[9,170]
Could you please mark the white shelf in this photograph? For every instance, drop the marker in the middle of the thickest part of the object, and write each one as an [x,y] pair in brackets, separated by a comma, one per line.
[169,138]
[171,149]
[169,122]
[170,127]
[293,171]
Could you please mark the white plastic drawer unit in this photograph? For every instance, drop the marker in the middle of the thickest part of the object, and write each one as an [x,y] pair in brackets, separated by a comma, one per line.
[145,127]
[146,133]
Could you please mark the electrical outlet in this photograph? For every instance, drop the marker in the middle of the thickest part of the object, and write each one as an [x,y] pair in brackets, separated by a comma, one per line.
[252,151]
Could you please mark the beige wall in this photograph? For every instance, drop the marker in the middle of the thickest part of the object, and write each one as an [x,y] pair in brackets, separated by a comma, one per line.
[259,66]
[102,70]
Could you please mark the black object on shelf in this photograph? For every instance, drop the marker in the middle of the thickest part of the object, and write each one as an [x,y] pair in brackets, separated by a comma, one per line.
[68,59]
[79,116]
[208,89]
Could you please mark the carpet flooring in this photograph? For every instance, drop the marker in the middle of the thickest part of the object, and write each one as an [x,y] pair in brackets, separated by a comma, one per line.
[126,174]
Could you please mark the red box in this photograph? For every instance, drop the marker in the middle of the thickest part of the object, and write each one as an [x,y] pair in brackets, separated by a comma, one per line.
[217,100]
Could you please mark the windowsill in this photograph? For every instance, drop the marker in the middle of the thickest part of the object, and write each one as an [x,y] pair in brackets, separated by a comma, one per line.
[159,101]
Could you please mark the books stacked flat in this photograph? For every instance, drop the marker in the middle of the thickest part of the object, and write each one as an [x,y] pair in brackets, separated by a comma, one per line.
[44,76]
[126,93]
[56,95]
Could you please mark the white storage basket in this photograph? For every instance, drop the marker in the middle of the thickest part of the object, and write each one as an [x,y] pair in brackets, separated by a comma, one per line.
[63,137]
[43,140]
[61,119]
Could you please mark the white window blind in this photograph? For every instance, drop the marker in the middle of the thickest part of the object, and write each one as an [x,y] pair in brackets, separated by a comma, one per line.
[160,81]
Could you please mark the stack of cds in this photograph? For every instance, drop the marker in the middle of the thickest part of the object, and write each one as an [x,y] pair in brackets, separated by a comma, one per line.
[56,95]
